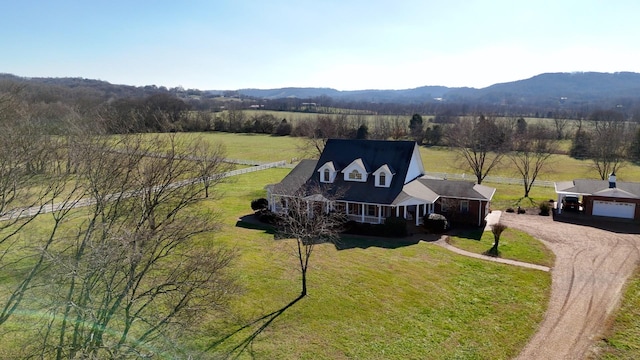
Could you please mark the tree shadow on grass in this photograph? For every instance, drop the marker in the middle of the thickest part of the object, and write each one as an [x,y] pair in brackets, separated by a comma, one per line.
[347,242]
[258,325]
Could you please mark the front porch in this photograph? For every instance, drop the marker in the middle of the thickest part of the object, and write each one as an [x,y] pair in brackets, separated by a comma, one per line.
[360,212]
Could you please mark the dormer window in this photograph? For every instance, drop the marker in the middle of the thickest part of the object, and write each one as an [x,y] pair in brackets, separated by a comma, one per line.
[327,172]
[383,176]
[356,171]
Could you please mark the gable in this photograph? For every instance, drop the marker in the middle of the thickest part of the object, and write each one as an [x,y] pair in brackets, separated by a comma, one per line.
[383,176]
[327,172]
[356,171]
[415,168]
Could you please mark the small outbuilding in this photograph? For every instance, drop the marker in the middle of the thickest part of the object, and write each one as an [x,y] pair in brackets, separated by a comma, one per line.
[608,198]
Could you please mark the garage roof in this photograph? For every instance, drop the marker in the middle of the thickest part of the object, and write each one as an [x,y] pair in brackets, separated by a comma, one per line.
[626,190]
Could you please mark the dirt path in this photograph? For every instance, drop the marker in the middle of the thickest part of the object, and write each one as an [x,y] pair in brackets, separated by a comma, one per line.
[591,268]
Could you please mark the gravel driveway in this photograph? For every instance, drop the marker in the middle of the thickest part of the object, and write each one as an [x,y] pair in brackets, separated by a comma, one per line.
[591,268]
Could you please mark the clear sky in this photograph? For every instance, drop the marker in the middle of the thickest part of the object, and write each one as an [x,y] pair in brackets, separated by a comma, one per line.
[342,44]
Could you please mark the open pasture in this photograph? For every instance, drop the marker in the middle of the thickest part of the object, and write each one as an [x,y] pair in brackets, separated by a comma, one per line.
[371,298]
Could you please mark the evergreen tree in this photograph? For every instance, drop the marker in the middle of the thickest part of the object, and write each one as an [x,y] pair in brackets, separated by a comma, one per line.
[580,145]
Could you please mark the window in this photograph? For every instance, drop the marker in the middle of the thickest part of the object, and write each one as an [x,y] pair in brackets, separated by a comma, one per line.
[382,179]
[464,206]
[327,175]
[371,210]
[355,175]
[444,206]
[355,209]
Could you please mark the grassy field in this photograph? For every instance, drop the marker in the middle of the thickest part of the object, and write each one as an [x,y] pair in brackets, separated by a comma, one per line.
[623,339]
[514,244]
[373,301]
[436,159]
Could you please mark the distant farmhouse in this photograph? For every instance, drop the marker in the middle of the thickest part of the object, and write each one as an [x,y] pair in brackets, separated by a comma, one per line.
[371,180]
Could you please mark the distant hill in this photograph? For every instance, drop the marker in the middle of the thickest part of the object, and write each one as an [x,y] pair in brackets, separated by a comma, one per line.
[578,90]
[543,89]
[408,95]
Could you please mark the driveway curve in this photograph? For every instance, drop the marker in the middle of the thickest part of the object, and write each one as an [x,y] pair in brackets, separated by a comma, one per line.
[592,265]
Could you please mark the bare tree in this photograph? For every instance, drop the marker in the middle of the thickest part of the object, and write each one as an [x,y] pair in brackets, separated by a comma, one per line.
[32,187]
[560,121]
[398,128]
[496,230]
[316,134]
[381,128]
[131,272]
[479,142]
[209,160]
[609,142]
[310,221]
[530,155]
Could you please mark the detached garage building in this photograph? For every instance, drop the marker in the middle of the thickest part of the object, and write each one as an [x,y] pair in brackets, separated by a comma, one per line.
[603,198]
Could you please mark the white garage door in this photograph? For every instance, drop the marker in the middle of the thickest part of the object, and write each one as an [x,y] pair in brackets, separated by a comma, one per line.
[614,209]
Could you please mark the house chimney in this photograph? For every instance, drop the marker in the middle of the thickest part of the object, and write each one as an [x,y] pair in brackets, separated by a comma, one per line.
[612,180]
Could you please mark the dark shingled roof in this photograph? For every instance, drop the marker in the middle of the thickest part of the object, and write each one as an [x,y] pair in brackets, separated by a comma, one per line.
[458,189]
[294,179]
[374,153]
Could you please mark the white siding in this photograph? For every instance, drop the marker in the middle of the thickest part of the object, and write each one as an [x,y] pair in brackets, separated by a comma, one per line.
[415,166]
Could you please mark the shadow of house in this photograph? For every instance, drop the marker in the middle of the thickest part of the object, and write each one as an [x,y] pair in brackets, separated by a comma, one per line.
[251,222]
[348,242]
[612,224]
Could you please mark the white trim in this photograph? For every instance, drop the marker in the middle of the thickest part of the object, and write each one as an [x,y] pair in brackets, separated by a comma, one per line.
[358,166]
[332,172]
[388,175]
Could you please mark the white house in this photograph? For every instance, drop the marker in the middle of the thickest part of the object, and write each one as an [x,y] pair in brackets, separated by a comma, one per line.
[370,180]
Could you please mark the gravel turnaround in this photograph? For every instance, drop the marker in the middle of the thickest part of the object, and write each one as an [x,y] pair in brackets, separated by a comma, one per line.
[592,265]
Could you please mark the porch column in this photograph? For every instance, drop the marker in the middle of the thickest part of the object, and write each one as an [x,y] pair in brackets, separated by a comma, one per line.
[362,212]
[559,206]
[479,212]
[397,211]
[417,214]
[346,206]
[405,212]
[379,214]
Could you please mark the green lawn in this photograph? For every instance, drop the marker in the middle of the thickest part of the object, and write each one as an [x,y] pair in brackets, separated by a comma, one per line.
[623,339]
[379,302]
[514,244]
[417,301]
